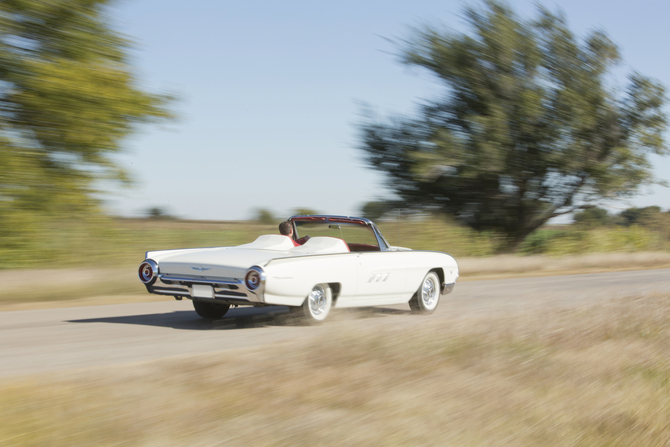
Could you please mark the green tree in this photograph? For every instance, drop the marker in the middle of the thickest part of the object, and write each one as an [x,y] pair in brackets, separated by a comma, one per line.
[593,217]
[265,216]
[529,127]
[639,216]
[304,211]
[376,209]
[68,97]
[159,213]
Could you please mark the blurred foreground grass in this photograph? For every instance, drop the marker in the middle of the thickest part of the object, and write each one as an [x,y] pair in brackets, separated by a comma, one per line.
[596,376]
[78,259]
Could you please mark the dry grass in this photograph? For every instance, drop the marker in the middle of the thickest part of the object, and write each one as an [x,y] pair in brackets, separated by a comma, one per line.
[507,266]
[30,286]
[597,376]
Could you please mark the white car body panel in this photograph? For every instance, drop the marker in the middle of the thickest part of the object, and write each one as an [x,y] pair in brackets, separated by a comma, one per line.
[364,278]
[289,280]
[381,274]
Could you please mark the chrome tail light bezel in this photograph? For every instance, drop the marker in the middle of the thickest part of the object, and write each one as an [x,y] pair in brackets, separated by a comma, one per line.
[148,272]
[254,279]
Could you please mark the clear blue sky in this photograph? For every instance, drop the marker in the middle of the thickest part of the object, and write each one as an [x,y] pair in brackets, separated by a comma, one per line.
[271,92]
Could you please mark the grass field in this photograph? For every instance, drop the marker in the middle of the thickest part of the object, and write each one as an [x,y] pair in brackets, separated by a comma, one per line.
[72,262]
[115,243]
[595,376]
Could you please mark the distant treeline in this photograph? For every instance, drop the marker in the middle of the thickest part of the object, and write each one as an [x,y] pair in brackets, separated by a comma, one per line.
[650,216]
[597,230]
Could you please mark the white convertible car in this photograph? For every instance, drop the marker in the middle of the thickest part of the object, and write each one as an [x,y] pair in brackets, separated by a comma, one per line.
[345,262]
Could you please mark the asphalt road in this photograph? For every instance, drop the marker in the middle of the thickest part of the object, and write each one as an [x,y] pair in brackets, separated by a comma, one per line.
[94,336]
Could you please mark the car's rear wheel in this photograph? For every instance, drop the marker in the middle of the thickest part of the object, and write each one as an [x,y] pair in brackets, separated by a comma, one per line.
[317,305]
[210,311]
[426,299]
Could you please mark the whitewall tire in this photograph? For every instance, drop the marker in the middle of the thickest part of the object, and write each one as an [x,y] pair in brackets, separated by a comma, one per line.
[426,299]
[317,305]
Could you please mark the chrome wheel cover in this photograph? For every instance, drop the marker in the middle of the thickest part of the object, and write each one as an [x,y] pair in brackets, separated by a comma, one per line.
[429,293]
[318,301]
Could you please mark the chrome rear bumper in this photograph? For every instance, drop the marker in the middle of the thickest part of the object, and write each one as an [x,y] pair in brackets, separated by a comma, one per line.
[230,290]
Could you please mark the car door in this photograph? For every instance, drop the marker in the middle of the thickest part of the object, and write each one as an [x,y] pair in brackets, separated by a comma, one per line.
[381,276]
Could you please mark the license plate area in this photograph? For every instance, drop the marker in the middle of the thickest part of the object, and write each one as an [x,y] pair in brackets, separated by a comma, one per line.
[202,291]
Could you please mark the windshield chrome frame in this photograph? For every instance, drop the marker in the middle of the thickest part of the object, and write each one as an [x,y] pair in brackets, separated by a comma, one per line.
[382,243]
[381,240]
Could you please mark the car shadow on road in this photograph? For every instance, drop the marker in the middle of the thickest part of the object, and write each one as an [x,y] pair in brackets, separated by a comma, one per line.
[238,318]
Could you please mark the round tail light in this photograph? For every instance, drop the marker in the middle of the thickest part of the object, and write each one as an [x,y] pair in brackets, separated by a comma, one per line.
[254,278]
[148,271]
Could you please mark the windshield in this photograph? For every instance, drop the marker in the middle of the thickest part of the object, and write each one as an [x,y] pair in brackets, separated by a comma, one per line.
[358,237]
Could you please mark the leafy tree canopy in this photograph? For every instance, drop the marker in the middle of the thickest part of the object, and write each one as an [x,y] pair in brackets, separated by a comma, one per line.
[528,128]
[592,217]
[159,213]
[67,99]
[304,211]
[265,216]
[639,216]
[375,209]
